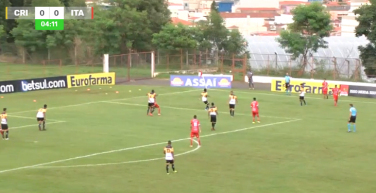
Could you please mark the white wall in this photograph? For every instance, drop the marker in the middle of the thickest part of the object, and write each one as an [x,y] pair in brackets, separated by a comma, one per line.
[258,4]
[247,25]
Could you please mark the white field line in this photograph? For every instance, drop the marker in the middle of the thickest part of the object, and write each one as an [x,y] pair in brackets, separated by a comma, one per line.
[119,163]
[187,109]
[94,102]
[34,118]
[315,98]
[35,125]
[138,147]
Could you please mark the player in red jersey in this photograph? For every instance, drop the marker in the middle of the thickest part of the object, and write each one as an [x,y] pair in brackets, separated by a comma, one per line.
[195,130]
[335,92]
[325,89]
[255,110]
[156,106]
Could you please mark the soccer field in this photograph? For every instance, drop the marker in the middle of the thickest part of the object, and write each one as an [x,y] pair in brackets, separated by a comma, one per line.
[97,142]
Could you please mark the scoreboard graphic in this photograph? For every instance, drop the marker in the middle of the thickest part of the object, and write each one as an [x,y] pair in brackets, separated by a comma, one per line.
[49,18]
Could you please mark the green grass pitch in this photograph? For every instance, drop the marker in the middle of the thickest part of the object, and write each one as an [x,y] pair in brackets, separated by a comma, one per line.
[97,142]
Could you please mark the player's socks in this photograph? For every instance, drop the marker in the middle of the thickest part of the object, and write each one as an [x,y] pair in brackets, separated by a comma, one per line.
[191,141]
[304,102]
[349,127]
[167,168]
[44,125]
[173,167]
[230,112]
[301,103]
[354,129]
[40,127]
[152,110]
[7,134]
[159,111]
[147,111]
[2,134]
[199,142]
[233,112]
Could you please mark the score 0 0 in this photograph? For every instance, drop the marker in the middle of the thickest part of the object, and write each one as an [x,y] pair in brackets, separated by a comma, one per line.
[49,18]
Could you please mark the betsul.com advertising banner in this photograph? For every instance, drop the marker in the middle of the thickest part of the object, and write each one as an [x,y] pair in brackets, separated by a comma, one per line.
[80,80]
[200,82]
[8,87]
[42,83]
[362,91]
[310,87]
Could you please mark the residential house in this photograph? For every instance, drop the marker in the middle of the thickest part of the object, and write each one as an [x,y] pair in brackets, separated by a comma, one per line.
[248,23]
[177,11]
[349,23]
[287,6]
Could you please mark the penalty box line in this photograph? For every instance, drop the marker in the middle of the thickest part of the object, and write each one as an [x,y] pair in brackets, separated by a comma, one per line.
[35,125]
[188,109]
[95,102]
[142,146]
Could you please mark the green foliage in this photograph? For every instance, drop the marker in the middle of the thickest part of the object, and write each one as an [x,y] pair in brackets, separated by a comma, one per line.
[177,37]
[2,31]
[305,35]
[366,17]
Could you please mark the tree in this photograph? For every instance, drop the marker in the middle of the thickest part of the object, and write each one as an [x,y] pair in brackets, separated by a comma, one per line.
[178,37]
[235,43]
[213,6]
[311,23]
[366,16]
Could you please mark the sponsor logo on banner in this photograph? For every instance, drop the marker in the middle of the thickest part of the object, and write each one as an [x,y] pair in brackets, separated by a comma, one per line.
[344,90]
[79,80]
[362,91]
[43,83]
[295,86]
[7,87]
[200,82]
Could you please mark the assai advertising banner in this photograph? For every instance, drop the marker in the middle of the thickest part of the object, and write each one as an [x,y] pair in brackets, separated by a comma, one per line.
[200,82]
[79,80]
[362,91]
[295,86]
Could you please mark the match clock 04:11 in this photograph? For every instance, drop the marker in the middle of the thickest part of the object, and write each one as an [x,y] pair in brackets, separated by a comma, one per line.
[49,24]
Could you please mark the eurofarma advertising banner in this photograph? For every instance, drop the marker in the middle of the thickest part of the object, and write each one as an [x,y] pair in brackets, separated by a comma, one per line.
[216,81]
[310,87]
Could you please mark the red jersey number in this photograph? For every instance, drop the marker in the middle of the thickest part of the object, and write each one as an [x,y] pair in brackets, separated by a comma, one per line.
[335,91]
[195,125]
[254,106]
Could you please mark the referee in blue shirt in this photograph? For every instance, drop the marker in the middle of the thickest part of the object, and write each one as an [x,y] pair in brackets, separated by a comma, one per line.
[352,118]
[287,83]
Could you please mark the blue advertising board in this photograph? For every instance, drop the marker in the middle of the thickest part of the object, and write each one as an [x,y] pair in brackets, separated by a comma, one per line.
[200,82]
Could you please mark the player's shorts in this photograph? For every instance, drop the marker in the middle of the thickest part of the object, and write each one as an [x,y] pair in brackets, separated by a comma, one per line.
[213,118]
[301,97]
[169,161]
[255,113]
[231,106]
[325,91]
[156,105]
[4,126]
[205,102]
[287,85]
[352,119]
[335,97]
[250,81]
[40,119]
[195,134]
[150,104]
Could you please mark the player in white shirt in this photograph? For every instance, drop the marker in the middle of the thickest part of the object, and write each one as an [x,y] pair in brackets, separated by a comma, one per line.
[169,156]
[232,102]
[301,95]
[41,118]
[4,124]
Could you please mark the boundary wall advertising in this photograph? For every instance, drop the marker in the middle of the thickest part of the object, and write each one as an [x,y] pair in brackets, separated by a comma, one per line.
[58,82]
